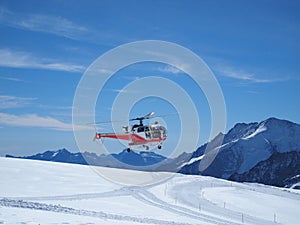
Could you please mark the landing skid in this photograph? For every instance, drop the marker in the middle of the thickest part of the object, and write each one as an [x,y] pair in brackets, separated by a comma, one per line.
[145,146]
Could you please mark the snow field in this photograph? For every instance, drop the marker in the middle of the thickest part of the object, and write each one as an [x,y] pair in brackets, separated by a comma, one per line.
[36,192]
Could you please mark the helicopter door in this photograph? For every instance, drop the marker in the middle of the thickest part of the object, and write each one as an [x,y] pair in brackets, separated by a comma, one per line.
[144,131]
[147,132]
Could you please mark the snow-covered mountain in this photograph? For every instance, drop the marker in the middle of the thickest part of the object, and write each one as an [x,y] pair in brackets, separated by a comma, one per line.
[124,159]
[62,155]
[266,152]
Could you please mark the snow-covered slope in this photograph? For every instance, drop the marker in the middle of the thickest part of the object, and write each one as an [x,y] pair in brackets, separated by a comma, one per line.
[246,145]
[39,192]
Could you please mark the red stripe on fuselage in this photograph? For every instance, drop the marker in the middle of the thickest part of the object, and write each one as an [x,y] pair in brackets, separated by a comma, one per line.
[133,138]
[126,137]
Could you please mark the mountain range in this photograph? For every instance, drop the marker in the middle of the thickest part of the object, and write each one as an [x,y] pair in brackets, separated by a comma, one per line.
[128,160]
[266,152]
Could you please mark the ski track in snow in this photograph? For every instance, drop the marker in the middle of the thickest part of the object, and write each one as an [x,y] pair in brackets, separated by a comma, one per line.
[187,192]
[114,193]
[141,194]
[151,199]
[138,193]
[5,202]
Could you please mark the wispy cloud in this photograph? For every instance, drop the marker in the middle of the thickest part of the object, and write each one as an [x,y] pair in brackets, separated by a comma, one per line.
[125,91]
[17,59]
[55,107]
[43,23]
[33,120]
[225,68]
[59,26]
[169,69]
[11,79]
[8,102]
[239,74]
[132,78]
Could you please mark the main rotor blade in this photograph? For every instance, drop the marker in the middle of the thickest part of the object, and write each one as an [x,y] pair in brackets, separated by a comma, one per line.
[106,122]
[165,115]
[144,117]
[148,115]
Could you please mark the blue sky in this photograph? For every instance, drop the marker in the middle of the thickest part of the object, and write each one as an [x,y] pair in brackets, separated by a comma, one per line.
[253,48]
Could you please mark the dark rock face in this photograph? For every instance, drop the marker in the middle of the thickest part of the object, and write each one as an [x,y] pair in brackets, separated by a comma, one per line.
[281,169]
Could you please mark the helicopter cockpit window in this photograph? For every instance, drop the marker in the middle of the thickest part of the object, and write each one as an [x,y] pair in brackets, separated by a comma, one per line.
[141,129]
[163,131]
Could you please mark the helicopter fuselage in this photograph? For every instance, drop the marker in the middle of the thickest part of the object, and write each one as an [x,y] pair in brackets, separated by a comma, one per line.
[140,135]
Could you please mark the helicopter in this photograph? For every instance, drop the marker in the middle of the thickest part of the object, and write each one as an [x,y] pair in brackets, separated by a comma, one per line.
[139,135]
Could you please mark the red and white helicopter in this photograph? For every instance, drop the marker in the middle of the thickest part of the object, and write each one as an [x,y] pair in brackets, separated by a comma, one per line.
[139,135]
